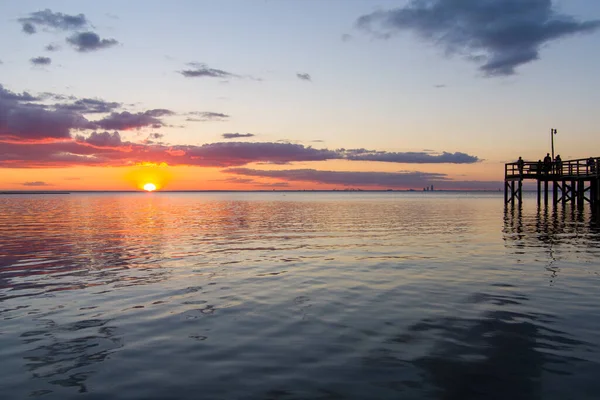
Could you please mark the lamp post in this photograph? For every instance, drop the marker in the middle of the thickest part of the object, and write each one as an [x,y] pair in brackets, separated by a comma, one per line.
[552,133]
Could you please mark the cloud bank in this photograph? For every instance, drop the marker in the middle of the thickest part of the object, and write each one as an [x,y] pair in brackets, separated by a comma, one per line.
[499,35]
[34,133]
[365,179]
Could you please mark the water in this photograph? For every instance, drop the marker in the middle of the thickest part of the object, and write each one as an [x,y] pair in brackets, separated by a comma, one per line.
[296,296]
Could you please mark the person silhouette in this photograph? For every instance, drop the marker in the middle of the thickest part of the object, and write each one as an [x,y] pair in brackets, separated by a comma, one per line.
[558,163]
[520,164]
[547,163]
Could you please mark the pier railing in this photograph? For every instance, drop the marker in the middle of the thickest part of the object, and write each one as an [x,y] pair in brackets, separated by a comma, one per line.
[579,168]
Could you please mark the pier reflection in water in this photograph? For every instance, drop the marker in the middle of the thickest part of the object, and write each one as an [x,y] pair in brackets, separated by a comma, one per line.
[261,296]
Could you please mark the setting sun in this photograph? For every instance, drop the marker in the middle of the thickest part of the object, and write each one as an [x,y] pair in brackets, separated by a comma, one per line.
[149,187]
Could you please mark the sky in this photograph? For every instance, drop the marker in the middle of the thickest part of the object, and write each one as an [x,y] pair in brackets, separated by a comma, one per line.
[285,95]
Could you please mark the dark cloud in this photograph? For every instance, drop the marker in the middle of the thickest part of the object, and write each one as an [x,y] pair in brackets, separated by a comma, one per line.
[408,157]
[380,180]
[24,121]
[29,28]
[346,37]
[41,61]
[159,112]
[202,116]
[440,86]
[52,47]
[89,41]
[500,35]
[126,120]
[236,135]
[89,106]
[53,20]
[102,139]
[36,183]
[201,70]
[7,95]
[304,76]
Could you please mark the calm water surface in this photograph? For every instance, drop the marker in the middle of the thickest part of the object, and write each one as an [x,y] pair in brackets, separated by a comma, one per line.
[297,296]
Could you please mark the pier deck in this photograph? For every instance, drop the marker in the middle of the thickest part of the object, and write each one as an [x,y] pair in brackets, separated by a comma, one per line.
[577,181]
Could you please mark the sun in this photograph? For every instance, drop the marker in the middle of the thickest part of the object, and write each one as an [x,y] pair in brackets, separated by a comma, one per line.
[149,187]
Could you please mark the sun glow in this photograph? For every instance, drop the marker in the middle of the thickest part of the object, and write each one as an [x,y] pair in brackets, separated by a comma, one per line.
[149,187]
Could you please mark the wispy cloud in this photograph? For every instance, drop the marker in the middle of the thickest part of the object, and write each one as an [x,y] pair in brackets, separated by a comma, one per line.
[41,61]
[201,70]
[304,76]
[203,116]
[36,183]
[52,20]
[89,41]
[52,47]
[89,106]
[499,35]
[236,135]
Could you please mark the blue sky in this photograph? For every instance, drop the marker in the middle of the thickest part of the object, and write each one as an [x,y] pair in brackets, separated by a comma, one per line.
[403,93]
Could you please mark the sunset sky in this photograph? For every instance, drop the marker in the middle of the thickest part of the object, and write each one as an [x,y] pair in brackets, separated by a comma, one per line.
[246,95]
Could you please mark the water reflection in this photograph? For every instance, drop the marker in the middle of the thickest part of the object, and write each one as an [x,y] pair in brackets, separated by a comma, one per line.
[62,350]
[501,355]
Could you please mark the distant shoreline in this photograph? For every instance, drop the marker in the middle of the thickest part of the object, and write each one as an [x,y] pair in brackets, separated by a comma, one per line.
[251,191]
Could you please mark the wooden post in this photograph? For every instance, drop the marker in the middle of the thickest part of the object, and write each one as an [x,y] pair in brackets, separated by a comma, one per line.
[505,191]
[539,192]
[554,192]
[546,193]
[580,193]
[520,192]
[512,192]
[564,192]
[573,192]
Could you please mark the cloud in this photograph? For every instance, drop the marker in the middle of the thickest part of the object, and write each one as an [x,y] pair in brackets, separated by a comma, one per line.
[89,41]
[346,37]
[22,120]
[36,183]
[203,116]
[41,61]
[102,139]
[89,106]
[500,35]
[52,47]
[378,180]
[126,120]
[409,157]
[237,135]
[35,134]
[108,149]
[54,20]
[201,70]
[304,76]
[6,94]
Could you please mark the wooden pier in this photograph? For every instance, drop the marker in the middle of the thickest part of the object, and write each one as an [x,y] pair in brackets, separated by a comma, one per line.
[574,181]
